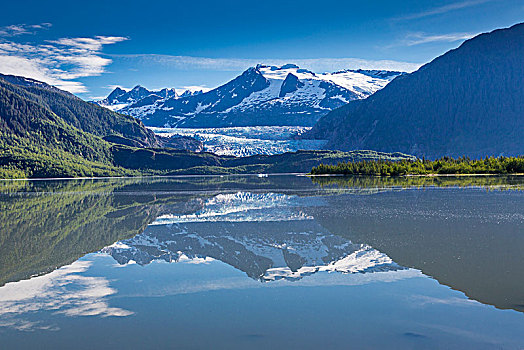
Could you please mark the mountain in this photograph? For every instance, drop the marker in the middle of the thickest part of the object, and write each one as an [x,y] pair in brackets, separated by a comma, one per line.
[57,104]
[120,98]
[46,132]
[469,101]
[262,95]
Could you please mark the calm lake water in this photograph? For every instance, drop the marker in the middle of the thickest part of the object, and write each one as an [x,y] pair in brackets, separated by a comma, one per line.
[248,262]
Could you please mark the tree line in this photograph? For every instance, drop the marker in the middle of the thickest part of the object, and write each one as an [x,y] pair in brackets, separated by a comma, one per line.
[444,165]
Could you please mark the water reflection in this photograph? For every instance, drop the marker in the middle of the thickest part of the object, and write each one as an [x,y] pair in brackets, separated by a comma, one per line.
[470,240]
[456,236]
[286,231]
[268,236]
[65,291]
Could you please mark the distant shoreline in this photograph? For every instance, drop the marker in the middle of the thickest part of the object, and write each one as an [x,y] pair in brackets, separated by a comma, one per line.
[412,175]
[255,174]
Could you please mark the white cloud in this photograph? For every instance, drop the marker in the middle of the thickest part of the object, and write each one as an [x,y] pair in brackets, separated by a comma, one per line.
[88,44]
[236,64]
[423,300]
[56,62]
[20,29]
[413,39]
[444,9]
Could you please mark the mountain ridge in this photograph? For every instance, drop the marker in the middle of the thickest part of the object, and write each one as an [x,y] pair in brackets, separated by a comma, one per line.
[261,95]
[468,101]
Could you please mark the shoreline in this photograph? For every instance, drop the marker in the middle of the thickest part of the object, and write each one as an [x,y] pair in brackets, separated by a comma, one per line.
[150,176]
[258,175]
[413,175]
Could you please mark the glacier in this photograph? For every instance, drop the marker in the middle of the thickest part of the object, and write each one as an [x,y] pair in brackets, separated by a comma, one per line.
[247,141]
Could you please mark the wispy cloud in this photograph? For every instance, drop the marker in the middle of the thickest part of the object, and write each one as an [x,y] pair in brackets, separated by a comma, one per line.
[20,29]
[238,64]
[419,38]
[57,62]
[33,68]
[443,9]
[87,44]
[423,300]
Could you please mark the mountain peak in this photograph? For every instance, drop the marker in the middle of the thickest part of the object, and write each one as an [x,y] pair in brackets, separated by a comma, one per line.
[261,95]
[290,84]
[115,94]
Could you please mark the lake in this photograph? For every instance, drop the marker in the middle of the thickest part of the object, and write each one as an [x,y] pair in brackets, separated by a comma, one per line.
[263,262]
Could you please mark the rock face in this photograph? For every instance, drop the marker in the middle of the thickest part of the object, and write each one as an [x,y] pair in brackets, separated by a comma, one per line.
[262,95]
[290,85]
[469,101]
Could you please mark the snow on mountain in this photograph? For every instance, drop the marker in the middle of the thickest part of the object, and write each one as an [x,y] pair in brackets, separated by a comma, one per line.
[262,95]
[140,96]
[265,235]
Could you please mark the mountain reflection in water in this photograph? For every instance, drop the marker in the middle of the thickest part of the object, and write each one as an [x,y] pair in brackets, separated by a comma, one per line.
[268,236]
[277,227]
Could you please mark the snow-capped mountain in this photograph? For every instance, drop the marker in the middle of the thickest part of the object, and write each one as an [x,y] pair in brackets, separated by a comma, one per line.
[265,235]
[139,95]
[262,95]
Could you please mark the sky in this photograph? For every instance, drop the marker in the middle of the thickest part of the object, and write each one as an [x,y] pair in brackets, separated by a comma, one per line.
[89,47]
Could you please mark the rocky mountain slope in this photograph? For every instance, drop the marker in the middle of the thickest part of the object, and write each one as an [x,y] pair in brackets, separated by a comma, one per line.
[469,101]
[120,98]
[262,95]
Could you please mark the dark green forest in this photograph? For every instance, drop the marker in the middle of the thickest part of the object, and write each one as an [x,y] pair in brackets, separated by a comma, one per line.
[46,132]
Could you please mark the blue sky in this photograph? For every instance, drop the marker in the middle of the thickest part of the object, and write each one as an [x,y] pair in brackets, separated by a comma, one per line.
[90,47]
